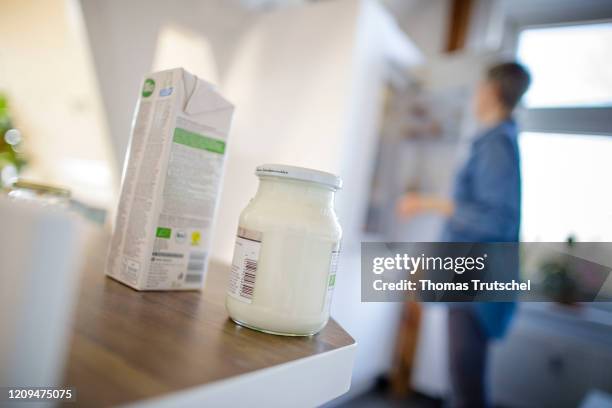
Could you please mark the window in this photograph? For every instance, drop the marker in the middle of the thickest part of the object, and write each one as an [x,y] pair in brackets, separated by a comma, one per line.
[566,144]
[566,187]
[570,65]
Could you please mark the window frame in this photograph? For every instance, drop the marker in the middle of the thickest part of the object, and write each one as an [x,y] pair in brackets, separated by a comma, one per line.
[589,120]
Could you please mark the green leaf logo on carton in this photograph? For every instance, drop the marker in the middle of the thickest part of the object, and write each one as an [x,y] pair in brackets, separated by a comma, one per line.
[163,232]
[148,87]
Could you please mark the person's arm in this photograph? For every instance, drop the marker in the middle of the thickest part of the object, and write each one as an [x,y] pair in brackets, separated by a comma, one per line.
[412,204]
[496,192]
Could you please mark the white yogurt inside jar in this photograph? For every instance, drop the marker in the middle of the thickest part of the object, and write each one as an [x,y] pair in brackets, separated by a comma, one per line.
[284,266]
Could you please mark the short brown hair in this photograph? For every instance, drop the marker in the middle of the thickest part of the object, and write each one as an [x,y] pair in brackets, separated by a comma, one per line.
[513,80]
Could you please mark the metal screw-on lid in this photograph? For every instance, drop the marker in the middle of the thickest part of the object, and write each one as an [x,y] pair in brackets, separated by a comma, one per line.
[299,173]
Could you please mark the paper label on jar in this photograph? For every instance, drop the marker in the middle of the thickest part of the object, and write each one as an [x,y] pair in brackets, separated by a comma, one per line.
[244,265]
[331,280]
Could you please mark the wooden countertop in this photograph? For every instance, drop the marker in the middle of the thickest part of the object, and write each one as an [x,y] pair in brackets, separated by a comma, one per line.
[128,346]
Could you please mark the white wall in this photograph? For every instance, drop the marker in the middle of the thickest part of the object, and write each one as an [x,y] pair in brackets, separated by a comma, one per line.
[290,82]
[424,21]
[124,35]
[378,40]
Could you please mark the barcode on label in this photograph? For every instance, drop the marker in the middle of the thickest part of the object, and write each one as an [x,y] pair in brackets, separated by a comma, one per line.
[244,265]
[248,278]
[195,267]
[193,278]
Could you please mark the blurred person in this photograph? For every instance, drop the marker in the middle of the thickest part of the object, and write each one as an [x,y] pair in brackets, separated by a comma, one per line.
[485,207]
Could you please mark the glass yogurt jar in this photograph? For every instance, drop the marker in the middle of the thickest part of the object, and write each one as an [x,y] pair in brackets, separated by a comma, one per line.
[284,266]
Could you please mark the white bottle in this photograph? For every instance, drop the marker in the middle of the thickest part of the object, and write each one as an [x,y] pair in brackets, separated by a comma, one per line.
[284,265]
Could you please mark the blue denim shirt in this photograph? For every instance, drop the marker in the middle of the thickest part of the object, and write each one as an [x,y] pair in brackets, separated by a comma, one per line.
[487,194]
[487,199]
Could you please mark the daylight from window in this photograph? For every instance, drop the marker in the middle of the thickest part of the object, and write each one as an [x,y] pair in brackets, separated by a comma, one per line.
[570,65]
[566,187]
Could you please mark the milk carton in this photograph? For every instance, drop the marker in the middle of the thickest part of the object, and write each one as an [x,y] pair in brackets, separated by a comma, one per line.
[171,184]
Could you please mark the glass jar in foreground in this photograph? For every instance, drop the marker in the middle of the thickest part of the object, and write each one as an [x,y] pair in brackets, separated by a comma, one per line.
[43,194]
[284,266]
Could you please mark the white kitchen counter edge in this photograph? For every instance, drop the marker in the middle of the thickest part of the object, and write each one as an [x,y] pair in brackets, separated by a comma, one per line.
[306,382]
